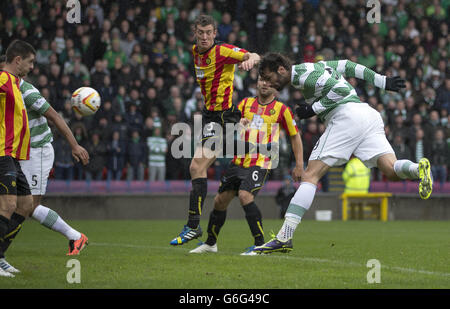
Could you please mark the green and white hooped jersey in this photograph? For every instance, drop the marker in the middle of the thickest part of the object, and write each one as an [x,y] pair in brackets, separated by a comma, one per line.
[323,84]
[36,105]
[158,147]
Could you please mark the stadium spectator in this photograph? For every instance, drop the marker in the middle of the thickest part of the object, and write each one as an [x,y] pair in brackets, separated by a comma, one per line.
[80,134]
[63,159]
[157,149]
[440,157]
[98,74]
[136,161]
[134,119]
[279,39]
[116,157]
[224,28]
[356,177]
[97,152]
[400,148]
[420,146]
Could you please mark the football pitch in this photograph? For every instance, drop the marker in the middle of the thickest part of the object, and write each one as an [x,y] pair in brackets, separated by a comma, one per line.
[326,255]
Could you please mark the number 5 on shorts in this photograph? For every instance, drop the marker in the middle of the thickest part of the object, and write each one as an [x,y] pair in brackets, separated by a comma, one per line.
[34,180]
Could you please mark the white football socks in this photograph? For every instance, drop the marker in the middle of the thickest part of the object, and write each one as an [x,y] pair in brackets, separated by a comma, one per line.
[53,221]
[299,204]
[406,169]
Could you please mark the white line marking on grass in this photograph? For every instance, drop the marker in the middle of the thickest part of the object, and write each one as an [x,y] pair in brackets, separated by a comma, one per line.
[104,244]
[306,259]
[353,264]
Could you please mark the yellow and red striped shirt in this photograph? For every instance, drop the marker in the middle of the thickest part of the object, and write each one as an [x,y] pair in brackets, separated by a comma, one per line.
[265,122]
[14,130]
[214,70]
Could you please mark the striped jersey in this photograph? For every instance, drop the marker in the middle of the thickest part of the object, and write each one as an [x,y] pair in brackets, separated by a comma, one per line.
[157,151]
[323,84]
[265,122]
[40,133]
[214,70]
[14,130]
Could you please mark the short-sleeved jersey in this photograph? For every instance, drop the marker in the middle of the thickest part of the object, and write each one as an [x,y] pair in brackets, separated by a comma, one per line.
[214,70]
[323,84]
[37,105]
[14,130]
[265,122]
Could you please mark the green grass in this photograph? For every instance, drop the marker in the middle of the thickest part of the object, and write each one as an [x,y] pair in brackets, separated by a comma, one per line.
[137,254]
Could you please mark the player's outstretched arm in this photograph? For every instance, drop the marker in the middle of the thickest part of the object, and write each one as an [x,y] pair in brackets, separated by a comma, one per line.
[297,148]
[250,60]
[352,69]
[78,152]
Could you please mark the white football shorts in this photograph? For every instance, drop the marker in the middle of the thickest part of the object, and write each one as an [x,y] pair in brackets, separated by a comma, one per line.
[38,168]
[352,128]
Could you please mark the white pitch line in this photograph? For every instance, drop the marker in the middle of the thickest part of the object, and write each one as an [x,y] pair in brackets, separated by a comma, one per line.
[306,259]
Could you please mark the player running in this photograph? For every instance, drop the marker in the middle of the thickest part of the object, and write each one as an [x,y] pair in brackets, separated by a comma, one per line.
[37,168]
[352,127]
[245,175]
[214,68]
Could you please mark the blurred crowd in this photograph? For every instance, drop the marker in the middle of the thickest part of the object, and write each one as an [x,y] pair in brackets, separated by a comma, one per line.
[137,54]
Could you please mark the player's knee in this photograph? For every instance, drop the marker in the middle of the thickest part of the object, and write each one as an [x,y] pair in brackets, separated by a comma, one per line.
[219,203]
[196,168]
[25,205]
[245,197]
[386,164]
[310,176]
[388,170]
[9,203]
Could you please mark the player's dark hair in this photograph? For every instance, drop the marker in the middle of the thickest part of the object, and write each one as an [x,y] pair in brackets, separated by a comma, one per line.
[19,48]
[2,58]
[271,62]
[205,20]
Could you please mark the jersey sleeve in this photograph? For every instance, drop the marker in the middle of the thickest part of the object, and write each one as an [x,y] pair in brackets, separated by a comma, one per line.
[287,121]
[33,98]
[352,69]
[232,53]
